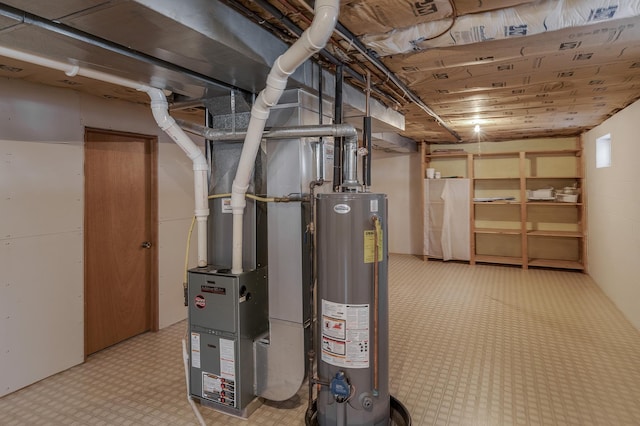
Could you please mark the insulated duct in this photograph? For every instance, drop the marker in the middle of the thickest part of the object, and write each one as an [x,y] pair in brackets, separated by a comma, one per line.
[312,40]
[159,107]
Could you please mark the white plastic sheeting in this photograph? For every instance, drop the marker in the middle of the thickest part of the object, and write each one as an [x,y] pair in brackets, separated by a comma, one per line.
[519,21]
[446,219]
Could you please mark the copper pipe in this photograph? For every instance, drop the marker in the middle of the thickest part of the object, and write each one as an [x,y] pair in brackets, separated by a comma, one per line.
[376,222]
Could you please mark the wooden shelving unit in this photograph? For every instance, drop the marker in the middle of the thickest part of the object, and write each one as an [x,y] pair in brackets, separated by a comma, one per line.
[528,233]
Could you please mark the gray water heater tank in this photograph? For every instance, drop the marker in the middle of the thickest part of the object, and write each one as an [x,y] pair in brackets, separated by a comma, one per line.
[352,327]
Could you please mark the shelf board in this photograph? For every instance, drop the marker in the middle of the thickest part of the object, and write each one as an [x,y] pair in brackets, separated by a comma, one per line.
[496,178]
[551,203]
[554,177]
[555,263]
[447,154]
[559,152]
[498,259]
[497,203]
[480,155]
[501,231]
[572,234]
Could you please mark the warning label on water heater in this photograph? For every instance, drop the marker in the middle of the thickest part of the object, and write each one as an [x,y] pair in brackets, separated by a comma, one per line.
[370,246]
[345,334]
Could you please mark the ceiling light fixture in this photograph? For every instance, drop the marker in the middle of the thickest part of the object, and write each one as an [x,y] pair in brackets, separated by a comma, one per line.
[476,128]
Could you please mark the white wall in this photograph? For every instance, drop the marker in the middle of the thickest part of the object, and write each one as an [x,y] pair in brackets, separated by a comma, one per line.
[398,176]
[613,211]
[41,224]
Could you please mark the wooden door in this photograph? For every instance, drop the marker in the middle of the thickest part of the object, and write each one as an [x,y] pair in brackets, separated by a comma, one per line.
[120,224]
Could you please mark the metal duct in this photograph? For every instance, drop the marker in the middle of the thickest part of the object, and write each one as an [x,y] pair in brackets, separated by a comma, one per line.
[293,132]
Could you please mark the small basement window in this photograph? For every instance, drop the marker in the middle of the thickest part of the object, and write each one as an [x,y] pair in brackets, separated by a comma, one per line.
[603,151]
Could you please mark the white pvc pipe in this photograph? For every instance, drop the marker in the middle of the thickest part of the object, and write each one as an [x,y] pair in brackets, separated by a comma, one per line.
[311,41]
[160,109]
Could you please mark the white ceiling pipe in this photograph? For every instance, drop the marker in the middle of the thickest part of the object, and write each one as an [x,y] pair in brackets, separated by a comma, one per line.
[160,109]
[311,41]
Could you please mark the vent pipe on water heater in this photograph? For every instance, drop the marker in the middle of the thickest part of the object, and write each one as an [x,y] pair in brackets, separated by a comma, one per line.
[311,41]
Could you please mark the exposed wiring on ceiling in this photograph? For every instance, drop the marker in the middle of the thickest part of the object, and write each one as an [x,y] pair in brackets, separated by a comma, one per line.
[454,18]
[384,94]
[380,69]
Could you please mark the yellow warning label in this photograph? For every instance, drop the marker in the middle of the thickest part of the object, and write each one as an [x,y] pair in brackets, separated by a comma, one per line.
[369,244]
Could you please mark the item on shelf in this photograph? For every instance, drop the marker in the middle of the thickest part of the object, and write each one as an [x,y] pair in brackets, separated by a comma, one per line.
[567,198]
[438,175]
[545,194]
[431,173]
[569,190]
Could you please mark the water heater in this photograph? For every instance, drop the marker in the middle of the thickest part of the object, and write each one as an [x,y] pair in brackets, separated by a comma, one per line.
[352,309]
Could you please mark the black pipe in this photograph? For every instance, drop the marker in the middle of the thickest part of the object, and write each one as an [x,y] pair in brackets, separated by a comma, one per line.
[75,34]
[208,122]
[295,29]
[366,160]
[337,119]
[373,58]
[320,119]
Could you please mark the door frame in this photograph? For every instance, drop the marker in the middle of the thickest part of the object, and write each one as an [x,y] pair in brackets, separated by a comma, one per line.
[151,151]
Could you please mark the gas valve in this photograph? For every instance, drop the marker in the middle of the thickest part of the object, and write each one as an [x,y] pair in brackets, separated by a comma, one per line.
[340,387]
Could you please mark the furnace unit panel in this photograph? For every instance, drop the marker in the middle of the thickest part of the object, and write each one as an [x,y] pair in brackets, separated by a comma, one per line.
[227,313]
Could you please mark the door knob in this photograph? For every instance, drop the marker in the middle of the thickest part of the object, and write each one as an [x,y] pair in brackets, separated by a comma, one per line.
[146,245]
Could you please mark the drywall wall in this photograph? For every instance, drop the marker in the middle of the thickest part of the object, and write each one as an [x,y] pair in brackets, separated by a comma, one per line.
[398,176]
[613,211]
[41,210]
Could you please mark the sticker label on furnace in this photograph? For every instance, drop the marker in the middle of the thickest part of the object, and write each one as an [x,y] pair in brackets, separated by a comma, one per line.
[345,334]
[195,350]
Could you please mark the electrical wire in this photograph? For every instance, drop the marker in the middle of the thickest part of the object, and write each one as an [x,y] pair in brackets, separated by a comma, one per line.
[186,255]
[454,18]
[388,73]
[289,198]
[286,199]
[261,199]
